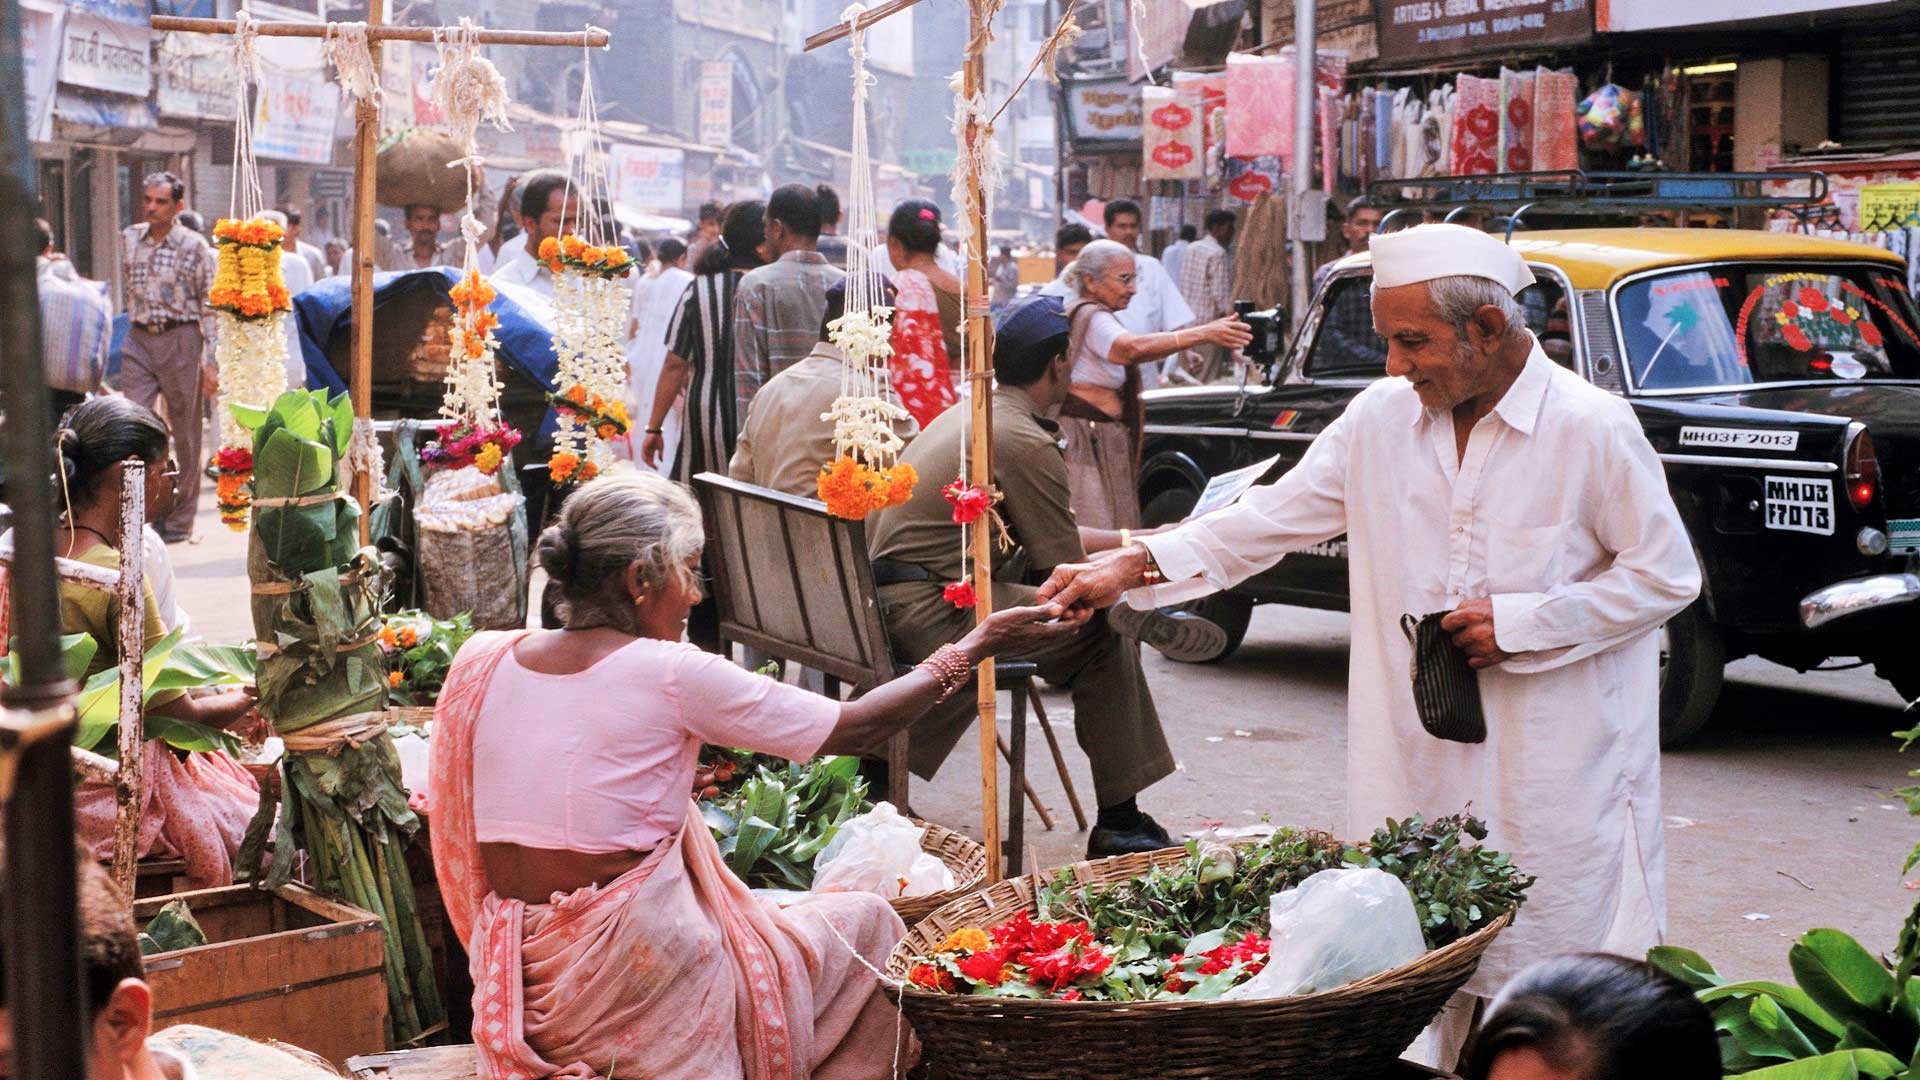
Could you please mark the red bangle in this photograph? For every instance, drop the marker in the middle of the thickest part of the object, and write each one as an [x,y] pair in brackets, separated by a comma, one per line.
[950,667]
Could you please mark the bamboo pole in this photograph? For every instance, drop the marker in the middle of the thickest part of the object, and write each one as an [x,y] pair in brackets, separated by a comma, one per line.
[377,33]
[132,633]
[366,137]
[980,398]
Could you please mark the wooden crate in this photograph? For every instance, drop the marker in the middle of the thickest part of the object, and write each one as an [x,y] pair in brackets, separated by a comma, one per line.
[289,965]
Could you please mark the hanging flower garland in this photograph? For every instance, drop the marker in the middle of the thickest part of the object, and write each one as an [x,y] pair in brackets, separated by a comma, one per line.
[591,297]
[251,301]
[865,474]
[477,436]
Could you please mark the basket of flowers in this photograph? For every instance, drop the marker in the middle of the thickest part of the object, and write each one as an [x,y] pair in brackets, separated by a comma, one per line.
[1127,960]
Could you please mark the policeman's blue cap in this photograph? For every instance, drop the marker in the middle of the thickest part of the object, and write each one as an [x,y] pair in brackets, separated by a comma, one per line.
[1029,323]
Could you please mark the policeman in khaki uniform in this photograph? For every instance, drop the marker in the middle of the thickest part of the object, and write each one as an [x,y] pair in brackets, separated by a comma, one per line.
[916,552]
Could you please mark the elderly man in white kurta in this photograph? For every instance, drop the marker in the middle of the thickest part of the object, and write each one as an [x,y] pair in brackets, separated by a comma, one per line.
[1483,480]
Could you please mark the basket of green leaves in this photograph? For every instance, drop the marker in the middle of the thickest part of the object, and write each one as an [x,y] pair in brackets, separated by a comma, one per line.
[1118,966]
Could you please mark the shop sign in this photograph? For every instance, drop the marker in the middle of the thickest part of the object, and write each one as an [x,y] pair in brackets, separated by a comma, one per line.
[1444,29]
[1884,207]
[104,110]
[331,185]
[195,77]
[649,178]
[294,117]
[716,102]
[1172,143]
[108,45]
[39,31]
[1104,111]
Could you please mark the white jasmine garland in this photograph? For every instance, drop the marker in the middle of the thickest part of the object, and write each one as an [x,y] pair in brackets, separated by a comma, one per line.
[473,390]
[251,355]
[865,413]
[589,328]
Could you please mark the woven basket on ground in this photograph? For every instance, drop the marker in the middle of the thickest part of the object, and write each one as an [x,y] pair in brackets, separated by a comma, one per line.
[1353,1032]
[966,859]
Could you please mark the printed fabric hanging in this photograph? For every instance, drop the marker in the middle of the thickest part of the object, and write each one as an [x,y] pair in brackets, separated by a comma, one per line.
[865,474]
[249,298]
[592,292]
[470,89]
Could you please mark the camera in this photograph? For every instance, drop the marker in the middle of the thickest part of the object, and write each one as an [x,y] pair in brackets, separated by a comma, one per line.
[1266,327]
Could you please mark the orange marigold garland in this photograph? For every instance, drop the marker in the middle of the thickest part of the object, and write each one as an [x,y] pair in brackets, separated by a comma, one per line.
[250,300]
[591,299]
[477,436]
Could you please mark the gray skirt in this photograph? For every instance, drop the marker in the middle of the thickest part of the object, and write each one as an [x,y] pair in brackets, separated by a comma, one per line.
[1100,473]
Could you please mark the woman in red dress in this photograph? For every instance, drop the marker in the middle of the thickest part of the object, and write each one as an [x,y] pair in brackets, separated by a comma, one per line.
[926,313]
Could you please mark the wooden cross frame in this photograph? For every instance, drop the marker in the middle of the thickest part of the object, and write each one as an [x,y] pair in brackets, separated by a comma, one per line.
[366,134]
[980,377]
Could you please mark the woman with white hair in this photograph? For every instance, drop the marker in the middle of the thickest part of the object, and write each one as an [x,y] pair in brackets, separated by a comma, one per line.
[1101,419]
[605,928]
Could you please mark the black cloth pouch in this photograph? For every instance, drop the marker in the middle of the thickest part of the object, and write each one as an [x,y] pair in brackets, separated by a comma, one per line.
[1446,689]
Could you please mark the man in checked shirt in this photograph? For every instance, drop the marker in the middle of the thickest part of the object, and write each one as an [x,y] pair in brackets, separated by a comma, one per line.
[166,271]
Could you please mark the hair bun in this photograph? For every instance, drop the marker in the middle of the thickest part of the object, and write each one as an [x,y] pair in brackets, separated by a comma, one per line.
[556,551]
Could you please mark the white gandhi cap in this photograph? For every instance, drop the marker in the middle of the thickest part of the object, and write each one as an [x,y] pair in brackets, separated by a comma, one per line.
[1425,252]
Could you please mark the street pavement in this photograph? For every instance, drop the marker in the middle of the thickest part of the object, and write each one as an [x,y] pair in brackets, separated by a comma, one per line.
[1781,819]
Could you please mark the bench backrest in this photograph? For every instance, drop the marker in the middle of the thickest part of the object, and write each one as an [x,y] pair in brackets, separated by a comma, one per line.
[794,581]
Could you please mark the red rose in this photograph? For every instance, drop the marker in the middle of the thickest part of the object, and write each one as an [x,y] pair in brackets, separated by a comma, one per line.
[969,502]
[1870,333]
[1071,995]
[1790,309]
[1482,122]
[1796,337]
[1811,298]
[1839,315]
[960,594]
[988,967]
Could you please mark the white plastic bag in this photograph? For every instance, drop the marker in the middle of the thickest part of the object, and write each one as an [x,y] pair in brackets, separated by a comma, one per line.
[879,852]
[1337,927]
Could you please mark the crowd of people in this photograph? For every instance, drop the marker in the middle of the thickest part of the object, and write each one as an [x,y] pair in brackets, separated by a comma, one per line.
[1451,480]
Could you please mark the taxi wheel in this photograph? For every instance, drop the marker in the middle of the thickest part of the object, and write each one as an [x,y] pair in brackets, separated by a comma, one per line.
[1904,676]
[1693,663]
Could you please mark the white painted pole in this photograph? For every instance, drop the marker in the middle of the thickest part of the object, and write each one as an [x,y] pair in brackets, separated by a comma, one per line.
[1305,92]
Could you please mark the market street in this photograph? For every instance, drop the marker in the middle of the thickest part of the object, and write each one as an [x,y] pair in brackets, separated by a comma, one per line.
[1795,782]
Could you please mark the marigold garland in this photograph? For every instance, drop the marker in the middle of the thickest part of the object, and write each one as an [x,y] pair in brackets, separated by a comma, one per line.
[852,489]
[478,436]
[591,300]
[250,300]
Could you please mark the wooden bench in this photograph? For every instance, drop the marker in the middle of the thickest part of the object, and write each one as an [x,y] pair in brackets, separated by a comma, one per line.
[796,582]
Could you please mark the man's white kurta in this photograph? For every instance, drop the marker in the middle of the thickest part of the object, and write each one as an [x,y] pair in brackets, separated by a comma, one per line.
[1559,511]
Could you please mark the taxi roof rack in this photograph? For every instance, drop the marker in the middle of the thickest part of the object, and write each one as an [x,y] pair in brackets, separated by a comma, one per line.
[1576,191]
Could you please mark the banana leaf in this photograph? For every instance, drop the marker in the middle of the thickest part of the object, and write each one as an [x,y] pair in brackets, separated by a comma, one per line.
[167,665]
[1840,1065]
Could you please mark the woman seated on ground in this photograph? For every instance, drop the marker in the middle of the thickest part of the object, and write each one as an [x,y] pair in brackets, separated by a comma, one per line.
[1101,419]
[926,312]
[194,806]
[1594,1016]
[604,927]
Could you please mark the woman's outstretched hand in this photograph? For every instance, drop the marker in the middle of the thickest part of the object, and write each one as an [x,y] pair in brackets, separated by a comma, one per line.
[1022,629]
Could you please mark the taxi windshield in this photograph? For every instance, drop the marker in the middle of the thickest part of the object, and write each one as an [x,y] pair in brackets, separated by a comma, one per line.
[1742,324]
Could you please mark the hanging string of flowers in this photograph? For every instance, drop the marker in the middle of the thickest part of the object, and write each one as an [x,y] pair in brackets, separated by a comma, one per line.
[470,89]
[865,474]
[250,299]
[592,292]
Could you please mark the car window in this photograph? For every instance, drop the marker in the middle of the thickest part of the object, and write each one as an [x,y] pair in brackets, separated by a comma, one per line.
[1346,346]
[1736,325]
[1544,303]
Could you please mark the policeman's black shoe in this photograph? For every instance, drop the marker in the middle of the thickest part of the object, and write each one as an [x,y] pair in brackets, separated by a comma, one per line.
[1145,834]
[1178,635]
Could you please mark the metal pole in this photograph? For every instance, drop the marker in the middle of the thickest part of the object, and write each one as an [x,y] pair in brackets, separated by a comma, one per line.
[980,390]
[366,137]
[39,903]
[1305,91]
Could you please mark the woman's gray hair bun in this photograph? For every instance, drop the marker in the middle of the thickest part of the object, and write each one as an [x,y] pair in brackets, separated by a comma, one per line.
[617,521]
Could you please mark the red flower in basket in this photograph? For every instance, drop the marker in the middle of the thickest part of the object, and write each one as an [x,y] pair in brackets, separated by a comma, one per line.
[928,977]
[969,502]
[1811,298]
[1790,309]
[1870,333]
[989,967]
[1060,968]
[960,594]
[1839,315]
[1796,337]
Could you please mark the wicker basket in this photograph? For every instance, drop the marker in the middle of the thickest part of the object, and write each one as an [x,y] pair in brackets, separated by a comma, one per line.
[966,859]
[1353,1032]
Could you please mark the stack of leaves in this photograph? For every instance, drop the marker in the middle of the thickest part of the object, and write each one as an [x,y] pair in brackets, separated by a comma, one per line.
[168,666]
[1197,928]
[173,927]
[420,650]
[779,818]
[316,618]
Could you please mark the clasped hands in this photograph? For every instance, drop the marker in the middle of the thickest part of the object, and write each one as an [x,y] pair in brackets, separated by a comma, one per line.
[1098,583]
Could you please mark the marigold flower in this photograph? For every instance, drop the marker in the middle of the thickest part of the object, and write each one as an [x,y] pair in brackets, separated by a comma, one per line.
[968,938]
[901,479]
[395,678]
[928,977]
[409,637]
[561,466]
[571,245]
[487,458]
[549,248]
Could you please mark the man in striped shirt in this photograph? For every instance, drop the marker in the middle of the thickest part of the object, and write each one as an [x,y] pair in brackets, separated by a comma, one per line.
[776,317]
[76,322]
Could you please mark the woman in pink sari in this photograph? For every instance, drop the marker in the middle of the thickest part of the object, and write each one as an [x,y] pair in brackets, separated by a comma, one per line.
[926,312]
[605,930]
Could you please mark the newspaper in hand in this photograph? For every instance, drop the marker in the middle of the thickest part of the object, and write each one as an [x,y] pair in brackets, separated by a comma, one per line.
[1226,488]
